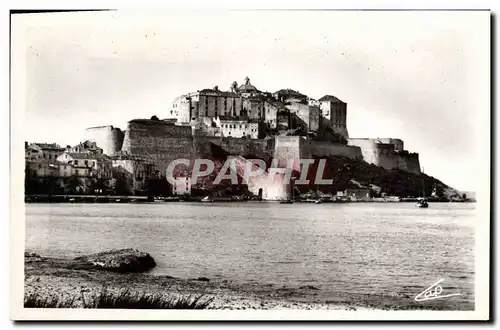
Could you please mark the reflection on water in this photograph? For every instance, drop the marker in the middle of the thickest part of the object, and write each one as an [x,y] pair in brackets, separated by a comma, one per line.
[348,248]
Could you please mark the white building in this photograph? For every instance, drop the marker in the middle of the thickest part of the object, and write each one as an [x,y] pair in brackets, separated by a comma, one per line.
[239,127]
[87,164]
[182,186]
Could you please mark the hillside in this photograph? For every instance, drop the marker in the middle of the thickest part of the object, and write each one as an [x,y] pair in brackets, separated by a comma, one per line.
[349,173]
[346,172]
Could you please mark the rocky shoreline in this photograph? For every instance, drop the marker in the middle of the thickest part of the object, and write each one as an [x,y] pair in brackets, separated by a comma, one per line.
[83,276]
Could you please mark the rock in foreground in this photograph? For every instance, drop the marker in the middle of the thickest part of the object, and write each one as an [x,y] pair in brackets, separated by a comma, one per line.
[121,261]
[32,257]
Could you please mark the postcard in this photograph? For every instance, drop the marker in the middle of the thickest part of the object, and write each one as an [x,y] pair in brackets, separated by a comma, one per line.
[250,165]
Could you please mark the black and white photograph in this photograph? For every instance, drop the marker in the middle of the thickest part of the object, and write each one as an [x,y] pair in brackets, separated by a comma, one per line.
[190,164]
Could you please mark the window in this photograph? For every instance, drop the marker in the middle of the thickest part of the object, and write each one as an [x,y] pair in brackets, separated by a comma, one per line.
[43,155]
[86,163]
[93,163]
[40,166]
[76,162]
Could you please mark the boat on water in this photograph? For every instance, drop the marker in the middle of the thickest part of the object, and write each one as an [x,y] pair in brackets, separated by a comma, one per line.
[286,201]
[422,203]
[207,199]
[315,201]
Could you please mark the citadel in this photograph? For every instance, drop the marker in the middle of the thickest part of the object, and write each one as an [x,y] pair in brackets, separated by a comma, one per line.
[244,122]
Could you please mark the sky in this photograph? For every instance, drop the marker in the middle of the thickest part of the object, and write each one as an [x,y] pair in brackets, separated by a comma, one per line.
[419,76]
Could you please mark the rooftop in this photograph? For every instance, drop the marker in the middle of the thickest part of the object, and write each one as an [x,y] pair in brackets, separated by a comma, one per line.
[150,122]
[331,98]
[46,146]
[291,92]
[247,86]
[233,118]
[75,155]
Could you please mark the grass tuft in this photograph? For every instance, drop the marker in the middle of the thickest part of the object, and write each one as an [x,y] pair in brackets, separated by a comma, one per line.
[34,300]
[124,299]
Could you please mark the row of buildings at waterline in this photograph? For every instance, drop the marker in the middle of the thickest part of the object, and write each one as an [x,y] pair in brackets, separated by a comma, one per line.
[87,163]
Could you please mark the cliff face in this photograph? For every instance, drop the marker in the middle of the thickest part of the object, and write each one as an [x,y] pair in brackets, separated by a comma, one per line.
[343,171]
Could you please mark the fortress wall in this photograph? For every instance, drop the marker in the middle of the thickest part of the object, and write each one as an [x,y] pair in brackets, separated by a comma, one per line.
[325,149]
[387,155]
[368,149]
[409,162]
[405,162]
[240,146]
[236,147]
[162,143]
[286,148]
[159,142]
[109,138]
[398,143]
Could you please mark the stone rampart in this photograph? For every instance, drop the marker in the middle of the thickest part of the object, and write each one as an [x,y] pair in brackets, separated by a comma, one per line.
[327,149]
[161,143]
[109,138]
[158,142]
[387,155]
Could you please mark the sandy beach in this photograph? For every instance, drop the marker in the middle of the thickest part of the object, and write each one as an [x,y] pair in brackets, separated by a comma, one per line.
[54,277]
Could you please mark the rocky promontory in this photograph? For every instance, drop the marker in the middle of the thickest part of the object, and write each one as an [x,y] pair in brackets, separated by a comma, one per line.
[119,261]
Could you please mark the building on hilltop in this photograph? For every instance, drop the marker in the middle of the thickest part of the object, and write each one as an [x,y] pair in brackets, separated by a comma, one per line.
[247,89]
[304,116]
[241,101]
[290,95]
[334,114]
[240,127]
[302,127]
[245,100]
